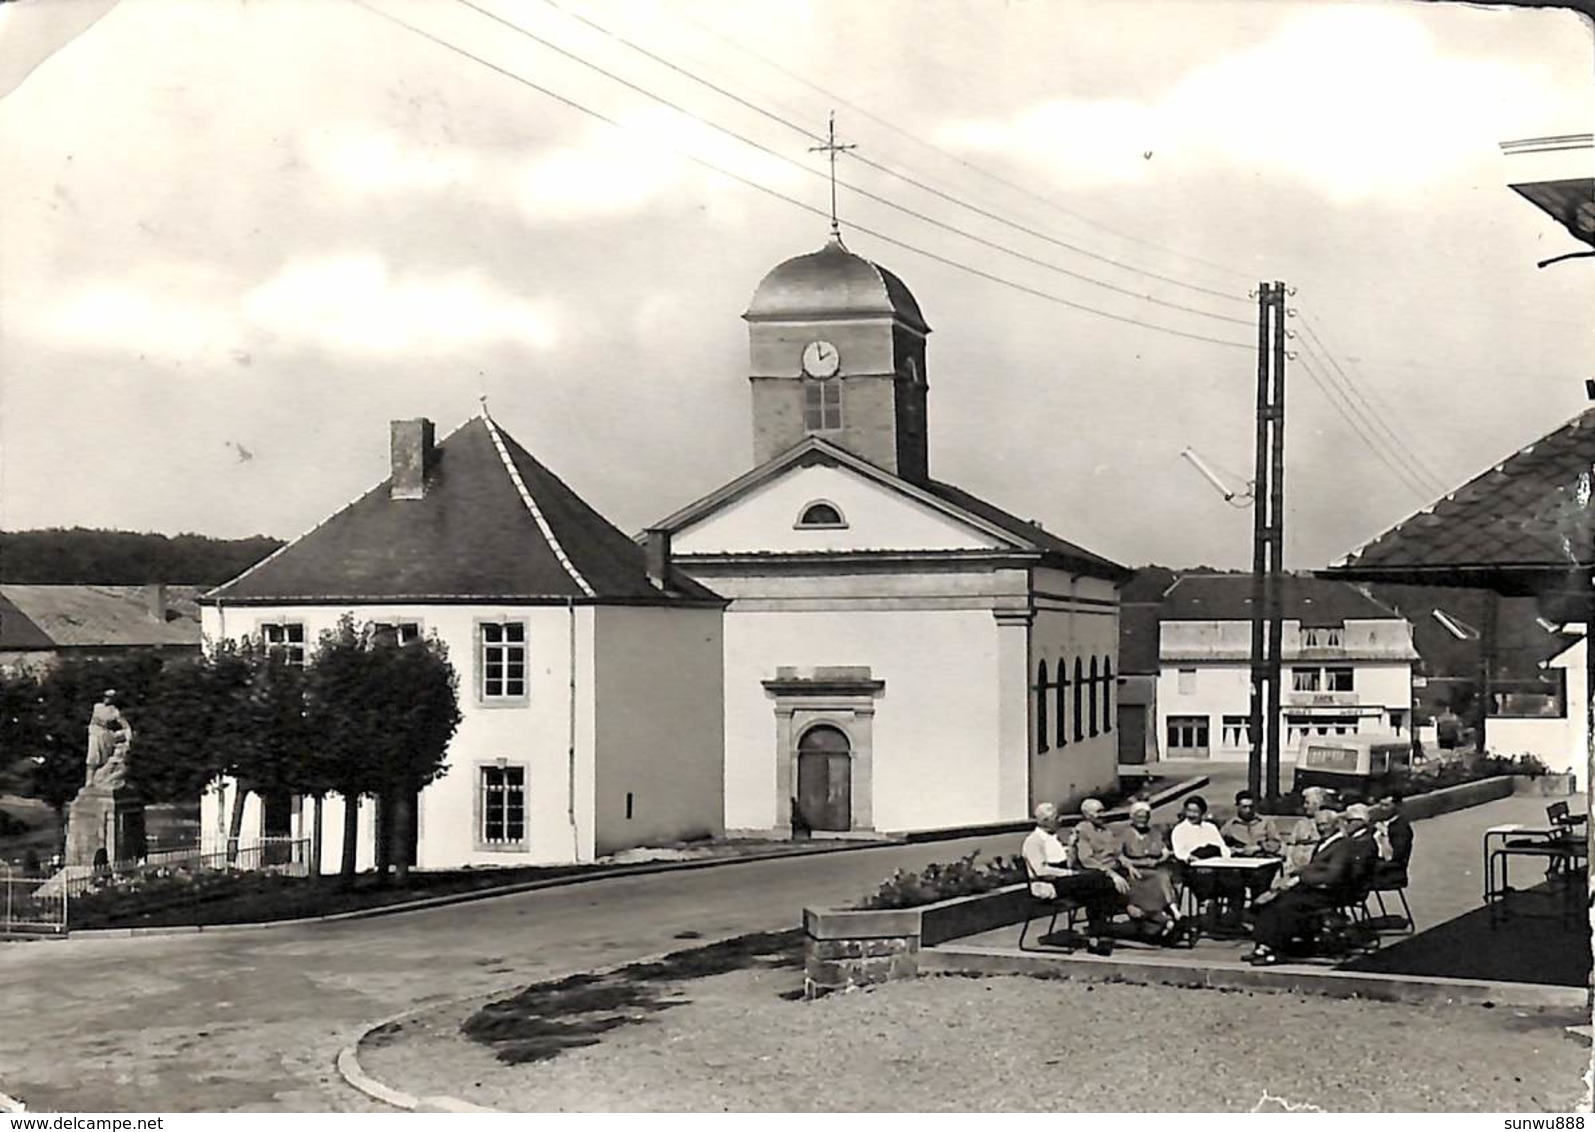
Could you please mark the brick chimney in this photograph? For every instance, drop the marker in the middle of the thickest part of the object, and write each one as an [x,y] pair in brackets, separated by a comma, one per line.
[413,457]
[658,554]
[155,602]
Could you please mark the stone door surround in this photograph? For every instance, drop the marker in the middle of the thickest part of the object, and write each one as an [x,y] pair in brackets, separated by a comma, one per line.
[842,696]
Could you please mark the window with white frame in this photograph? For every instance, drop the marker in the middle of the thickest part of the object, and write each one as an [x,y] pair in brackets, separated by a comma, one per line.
[1323,638]
[502,805]
[1323,679]
[821,514]
[1237,729]
[396,632]
[285,639]
[501,659]
[1187,683]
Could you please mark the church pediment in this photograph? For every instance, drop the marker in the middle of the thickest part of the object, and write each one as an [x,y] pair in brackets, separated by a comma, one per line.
[820,499]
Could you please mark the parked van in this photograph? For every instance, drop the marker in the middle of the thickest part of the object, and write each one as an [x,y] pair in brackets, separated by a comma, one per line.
[1352,764]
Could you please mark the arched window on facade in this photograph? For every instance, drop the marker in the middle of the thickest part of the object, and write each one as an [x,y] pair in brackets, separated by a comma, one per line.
[1042,688]
[1062,700]
[1079,701]
[1093,680]
[1107,693]
[821,513]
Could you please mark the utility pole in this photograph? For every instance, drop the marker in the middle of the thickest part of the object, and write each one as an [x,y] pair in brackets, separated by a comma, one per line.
[1276,574]
[1260,501]
[1268,545]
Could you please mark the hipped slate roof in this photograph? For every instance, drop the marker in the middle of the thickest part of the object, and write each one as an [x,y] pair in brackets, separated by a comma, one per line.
[1529,512]
[51,617]
[475,535]
[1315,602]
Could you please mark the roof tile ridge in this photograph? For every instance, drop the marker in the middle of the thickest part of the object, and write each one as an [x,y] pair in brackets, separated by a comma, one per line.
[533,508]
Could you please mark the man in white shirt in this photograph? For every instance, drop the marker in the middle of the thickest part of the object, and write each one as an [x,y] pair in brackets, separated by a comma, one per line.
[1195,838]
[1053,876]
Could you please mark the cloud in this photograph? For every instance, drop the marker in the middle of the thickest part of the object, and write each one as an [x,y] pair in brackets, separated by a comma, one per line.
[343,303]
[353,302]
[128,318]
[1355,101]
[606,171]
[370,161]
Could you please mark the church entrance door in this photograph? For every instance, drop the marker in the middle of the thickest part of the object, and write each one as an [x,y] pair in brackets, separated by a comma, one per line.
[825,779]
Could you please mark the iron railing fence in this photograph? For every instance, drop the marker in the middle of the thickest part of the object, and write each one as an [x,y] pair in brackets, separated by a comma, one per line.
[289,856]
[30,906]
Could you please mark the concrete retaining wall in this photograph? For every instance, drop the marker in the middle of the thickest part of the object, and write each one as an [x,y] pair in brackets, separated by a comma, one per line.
[1458,797]
[1546,785]
[844,949]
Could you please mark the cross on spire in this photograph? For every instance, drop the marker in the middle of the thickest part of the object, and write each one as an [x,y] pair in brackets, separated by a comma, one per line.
[832,149]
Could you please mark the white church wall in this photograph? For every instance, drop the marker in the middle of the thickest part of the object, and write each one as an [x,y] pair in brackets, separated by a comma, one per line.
[533,734]
[877,519]
[660,726]
[935,753]
[1076,617]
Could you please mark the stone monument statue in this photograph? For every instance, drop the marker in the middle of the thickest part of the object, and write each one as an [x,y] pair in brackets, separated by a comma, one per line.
[105,824]
[110,737]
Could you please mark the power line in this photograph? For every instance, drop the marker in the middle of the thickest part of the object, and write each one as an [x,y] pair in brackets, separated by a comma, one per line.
[891,172]
[776,65]
[1378,417]
[766,190]
[1406,477]
[886,201]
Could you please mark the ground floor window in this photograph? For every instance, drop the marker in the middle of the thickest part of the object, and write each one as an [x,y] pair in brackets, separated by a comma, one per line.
[503,796]
[1188,736]
[1299,727]
[1237,731]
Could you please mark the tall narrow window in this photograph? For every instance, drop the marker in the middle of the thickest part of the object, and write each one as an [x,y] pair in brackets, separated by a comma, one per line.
[503,805]
[822,404]
[1093,707]
[1063,715]
[1107,694]
[286,639]
[1042,689]
[1079,705]
[503,660]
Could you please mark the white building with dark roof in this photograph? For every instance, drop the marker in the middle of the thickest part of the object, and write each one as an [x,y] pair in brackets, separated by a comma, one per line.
[1347,665]
[899,653]
[590,671]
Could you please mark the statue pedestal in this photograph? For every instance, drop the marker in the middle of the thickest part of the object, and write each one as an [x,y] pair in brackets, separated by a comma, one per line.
[105,826]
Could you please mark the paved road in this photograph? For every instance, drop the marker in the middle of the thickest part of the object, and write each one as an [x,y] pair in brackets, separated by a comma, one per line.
[252,1020]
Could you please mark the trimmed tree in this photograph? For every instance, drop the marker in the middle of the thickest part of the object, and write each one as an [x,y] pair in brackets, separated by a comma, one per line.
[382,715]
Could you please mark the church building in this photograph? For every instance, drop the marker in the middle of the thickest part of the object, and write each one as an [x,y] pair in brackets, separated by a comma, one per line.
[900,654]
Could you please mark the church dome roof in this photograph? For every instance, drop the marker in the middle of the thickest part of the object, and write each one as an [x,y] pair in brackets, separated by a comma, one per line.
[831,282]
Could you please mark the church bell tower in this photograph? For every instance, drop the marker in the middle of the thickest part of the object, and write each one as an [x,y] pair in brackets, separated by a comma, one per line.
[837,349]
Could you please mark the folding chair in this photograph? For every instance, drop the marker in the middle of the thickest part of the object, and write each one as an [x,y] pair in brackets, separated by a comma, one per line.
[1053,907]
[1408,926]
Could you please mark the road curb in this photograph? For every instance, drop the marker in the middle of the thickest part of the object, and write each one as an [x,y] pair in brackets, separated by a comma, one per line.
[1288,978]
[354,1074]
[650,868]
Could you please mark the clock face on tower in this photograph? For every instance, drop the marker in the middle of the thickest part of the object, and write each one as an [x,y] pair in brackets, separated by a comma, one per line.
[820,359]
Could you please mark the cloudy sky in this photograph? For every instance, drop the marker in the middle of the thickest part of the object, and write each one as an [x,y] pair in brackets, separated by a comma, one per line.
[242,235]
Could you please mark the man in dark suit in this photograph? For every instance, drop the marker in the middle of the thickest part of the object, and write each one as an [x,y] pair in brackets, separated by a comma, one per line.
[1394,832]
[1343,862]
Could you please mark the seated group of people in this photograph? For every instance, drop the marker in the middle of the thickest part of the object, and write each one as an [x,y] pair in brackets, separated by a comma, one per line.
[1136,867]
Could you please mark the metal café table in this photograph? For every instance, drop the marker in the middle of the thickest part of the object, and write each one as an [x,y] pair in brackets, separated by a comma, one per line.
[1249,867]
[1550,844]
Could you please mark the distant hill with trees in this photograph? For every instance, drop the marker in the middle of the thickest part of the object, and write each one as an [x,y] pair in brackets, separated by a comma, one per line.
[82,556]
